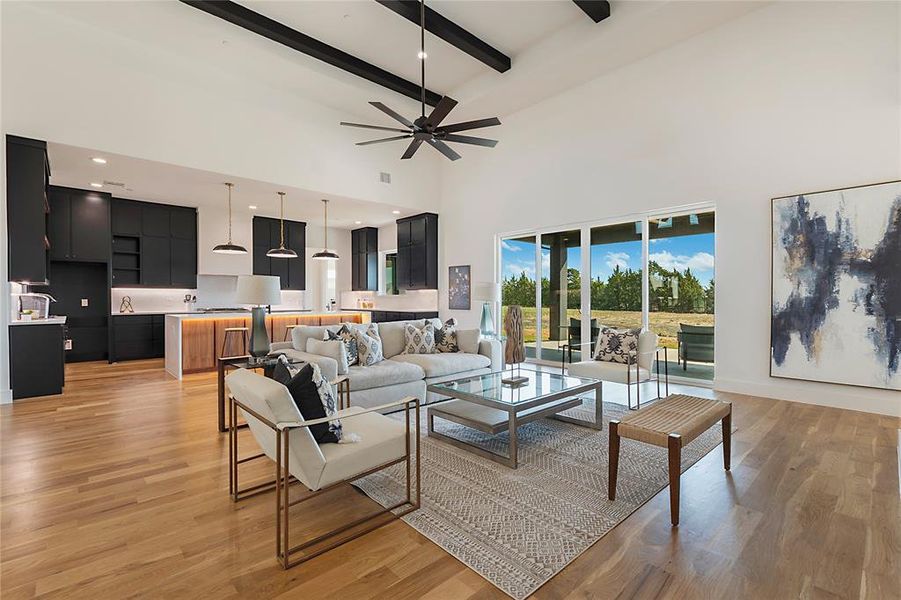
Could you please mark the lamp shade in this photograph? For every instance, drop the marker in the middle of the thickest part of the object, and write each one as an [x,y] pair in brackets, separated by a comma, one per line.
[258,290]
[486,292]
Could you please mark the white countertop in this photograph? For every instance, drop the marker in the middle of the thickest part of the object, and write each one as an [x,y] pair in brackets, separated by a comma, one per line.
[247,314]
[48,321]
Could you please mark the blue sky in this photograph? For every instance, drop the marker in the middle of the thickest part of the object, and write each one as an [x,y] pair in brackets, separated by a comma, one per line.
[694,251]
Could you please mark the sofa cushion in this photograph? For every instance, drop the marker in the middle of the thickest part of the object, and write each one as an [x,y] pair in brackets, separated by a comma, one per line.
[468,340]
[607,371]
[447,363]
[301,333]
[384,373]
[392,335]
[333,349]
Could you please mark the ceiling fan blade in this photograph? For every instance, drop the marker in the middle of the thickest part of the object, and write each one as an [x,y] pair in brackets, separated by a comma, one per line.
[443,148]
[468,139]
[478,124]
[445,105]
[379,127]
[412,148]
[379,141]
[392,114]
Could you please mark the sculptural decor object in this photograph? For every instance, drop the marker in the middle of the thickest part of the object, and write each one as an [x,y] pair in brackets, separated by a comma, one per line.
[515,349]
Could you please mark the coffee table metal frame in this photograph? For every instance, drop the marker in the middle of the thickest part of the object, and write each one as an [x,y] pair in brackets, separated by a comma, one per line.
[548,405]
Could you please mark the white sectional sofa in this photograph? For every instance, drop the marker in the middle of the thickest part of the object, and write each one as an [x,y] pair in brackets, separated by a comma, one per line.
[399,375]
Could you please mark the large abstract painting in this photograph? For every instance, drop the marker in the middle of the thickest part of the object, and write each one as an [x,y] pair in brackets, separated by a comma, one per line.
[836,311]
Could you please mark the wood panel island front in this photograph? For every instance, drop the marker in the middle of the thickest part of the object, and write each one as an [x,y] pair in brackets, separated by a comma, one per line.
[194,341]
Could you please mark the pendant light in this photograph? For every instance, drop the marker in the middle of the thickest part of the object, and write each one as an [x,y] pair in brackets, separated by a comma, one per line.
[281,251]
[325,253]
[230,248]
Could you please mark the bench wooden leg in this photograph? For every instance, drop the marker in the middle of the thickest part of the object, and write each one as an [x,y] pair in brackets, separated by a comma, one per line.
[675,473]
[613,460]
[727,440]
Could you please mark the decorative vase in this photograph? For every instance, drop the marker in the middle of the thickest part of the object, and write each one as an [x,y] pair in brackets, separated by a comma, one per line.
[259,335]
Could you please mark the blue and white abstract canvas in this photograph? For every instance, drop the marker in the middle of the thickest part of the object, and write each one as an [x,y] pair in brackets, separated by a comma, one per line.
[836,307]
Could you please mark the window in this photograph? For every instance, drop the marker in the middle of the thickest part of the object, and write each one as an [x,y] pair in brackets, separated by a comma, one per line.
[518,286]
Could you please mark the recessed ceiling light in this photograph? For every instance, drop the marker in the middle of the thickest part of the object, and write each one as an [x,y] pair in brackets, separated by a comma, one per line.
[395,212]
[252,207]
[358,222]
[96,184]
[99,161]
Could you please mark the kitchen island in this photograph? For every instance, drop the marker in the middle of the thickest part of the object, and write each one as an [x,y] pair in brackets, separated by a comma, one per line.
[194,341]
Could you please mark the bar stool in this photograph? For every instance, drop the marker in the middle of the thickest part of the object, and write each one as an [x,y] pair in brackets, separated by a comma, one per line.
[234,331]
[288,330]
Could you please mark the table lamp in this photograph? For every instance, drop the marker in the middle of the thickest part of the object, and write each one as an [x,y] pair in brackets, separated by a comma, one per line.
[260,291]
[488,293]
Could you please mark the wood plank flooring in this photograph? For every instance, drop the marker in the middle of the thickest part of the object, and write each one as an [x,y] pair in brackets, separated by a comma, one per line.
[118,488]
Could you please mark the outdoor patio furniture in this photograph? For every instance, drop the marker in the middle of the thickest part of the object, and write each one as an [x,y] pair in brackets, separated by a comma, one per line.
[695,344]
[574,338]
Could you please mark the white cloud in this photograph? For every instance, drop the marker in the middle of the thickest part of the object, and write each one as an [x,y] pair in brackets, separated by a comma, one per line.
[516,269]
[617,259]
[509,247]
[698,262]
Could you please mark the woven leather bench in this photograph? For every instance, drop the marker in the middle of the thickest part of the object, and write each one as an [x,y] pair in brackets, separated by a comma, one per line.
[671,423]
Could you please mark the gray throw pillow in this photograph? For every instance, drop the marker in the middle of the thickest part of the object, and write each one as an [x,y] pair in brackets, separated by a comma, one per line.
[369,346]
[419,340]
[332,349]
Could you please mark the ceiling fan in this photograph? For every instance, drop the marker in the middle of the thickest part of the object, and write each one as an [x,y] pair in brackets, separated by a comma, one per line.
[428,129]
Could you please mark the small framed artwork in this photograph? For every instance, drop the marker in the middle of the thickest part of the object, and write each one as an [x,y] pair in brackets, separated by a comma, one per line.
[459,288]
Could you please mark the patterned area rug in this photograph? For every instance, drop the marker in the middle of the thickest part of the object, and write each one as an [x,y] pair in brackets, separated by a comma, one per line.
[517,528]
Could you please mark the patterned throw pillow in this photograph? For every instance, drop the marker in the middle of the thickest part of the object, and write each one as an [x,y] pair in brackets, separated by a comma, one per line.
[446,337]
[419,340]
[346,335]
[369,346]
[616,346]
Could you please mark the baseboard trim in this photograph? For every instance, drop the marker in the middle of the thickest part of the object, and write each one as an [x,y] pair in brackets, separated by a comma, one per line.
[821,394]
[6,396]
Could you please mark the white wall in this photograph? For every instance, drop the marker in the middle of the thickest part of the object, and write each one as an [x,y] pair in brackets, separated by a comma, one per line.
[792,97]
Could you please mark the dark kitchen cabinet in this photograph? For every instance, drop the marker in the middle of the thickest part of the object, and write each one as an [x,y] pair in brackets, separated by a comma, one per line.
[138,336]
[79,225]
[153,245]
[36,360]
[27,209]
[386,316]
[156,261]
[267,235]
[417,252]
[364,259]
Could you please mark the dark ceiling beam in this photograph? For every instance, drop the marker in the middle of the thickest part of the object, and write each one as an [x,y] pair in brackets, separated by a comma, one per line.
[598,10]
[451,33]
[278,32]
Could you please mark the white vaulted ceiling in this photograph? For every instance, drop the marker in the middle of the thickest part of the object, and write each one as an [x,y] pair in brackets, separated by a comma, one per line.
[553,45]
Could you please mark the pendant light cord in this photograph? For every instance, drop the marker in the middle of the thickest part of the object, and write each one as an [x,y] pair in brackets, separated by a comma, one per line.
[229,185]
[281,243]
[325,228]
[422,51]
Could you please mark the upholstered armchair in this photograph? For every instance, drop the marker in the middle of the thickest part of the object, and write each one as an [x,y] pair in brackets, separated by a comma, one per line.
[636,371]
[284,437]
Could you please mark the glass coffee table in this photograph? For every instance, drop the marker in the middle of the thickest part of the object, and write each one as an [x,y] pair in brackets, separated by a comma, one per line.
[487,405]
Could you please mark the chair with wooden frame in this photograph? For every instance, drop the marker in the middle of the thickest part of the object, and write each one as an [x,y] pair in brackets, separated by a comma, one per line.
[285,438]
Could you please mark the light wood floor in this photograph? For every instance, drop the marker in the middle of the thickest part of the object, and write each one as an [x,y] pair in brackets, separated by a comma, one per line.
[118,489]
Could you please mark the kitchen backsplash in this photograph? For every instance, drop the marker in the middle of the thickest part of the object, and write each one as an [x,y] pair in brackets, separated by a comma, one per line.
[415,300]
[213,291]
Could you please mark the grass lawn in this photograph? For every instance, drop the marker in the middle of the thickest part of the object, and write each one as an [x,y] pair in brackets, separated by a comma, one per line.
[665,324]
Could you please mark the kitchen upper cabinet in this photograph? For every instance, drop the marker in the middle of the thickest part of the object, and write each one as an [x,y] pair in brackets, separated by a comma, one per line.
[156,261]
[27,209]
[153,245]
[417,252]
[79,225]
[364,259]
[267,235]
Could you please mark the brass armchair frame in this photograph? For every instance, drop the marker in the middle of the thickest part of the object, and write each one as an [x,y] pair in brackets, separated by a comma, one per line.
[283,479]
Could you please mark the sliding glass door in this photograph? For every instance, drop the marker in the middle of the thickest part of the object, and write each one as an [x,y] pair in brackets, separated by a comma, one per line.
[654,272]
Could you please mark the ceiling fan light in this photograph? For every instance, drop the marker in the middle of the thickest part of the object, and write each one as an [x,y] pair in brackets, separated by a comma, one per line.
[229,249]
